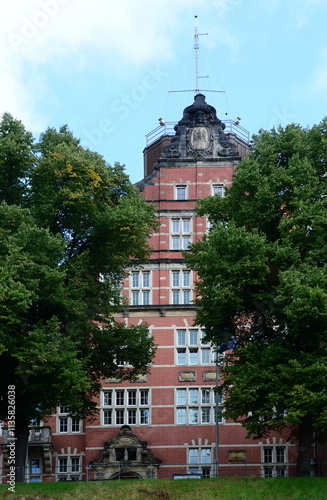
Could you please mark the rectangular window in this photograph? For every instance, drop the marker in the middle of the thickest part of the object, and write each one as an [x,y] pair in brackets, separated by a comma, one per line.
[119,398]
[181,396]
[205,455]
[75,424]
[35,466]
[175,278]
[218,189]
[194,357]
[205,415]
[280,454]
[75,464]
[186,278]
[192,401]
[144,397]
[205,356]
[181,192]
[123,401]
[186,240]
[146,280]
[181,356]
[107,398]
[146,298]
[135,298]
[268,471]
[175,296]
[186,296]
[193,337]
[193,396]
[186,225]
[175,226]
[107,420]
[63,424]
[63,464]
[119,417]
[181,337]
[176,242]
[205,396]
[132,417]
[206,472]
[132,398]
[268,455]
[193,456]
[135,280]
[144,416]
[280,471]
[194,415]
[181,415]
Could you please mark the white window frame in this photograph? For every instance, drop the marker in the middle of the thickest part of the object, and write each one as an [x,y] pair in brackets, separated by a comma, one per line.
[200,460]
[140,288]
[274,467]
[181,231]
[180,284]
[192,408]
[73,425]
[181,192]
[218,189]
[68,468]
[187,341]
[124,402]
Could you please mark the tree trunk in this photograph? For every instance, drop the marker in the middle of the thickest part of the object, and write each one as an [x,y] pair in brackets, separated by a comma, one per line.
[303,465]
[21,435]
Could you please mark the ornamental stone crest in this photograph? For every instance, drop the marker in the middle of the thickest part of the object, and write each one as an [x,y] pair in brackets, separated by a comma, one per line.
[199,138]
[199,134]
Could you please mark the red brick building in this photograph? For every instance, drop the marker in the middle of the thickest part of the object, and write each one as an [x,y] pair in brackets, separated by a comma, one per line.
[166,422]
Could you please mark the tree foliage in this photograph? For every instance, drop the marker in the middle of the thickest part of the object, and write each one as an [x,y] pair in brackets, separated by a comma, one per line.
[262,289]
[69,226]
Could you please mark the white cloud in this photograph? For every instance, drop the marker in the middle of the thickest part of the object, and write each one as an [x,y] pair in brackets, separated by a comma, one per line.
[67,34]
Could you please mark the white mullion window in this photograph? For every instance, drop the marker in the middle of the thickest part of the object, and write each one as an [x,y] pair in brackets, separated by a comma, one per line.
[181,287]
[128,406]
[195,352]
[274,461]
[67,424]
[140,288]
[195,406]
[68,468]
[181,233]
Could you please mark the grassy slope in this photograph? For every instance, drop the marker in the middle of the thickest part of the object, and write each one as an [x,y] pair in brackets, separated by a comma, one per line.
[184,489]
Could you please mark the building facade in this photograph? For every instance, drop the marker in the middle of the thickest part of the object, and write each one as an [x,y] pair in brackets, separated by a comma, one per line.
[167,423]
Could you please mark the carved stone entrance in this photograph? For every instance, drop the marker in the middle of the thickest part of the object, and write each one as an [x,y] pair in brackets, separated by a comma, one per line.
[125,457]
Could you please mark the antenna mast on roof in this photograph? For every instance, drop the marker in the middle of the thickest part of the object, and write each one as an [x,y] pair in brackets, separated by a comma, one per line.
[196,53]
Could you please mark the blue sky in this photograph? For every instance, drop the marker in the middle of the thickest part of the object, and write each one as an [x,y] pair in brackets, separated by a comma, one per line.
[107,68]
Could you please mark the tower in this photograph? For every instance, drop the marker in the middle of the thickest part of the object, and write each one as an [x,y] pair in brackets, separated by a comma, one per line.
[175,408]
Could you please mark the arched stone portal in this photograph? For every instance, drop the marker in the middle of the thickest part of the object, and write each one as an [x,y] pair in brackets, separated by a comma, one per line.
[125,457]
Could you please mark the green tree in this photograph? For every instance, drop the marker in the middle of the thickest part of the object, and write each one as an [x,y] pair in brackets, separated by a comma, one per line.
[62,259]
[262,289]
[16,159]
